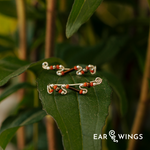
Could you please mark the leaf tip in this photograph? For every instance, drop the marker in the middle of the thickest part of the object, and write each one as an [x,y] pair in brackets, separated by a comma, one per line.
[68,33]
[71,29]
[1,148]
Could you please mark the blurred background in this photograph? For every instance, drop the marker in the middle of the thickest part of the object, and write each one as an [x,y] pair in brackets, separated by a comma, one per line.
[115,39]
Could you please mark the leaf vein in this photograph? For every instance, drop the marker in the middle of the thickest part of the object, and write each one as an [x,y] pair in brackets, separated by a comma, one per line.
[61,116]
[79,113]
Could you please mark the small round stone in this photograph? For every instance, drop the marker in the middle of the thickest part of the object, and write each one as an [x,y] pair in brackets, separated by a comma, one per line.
[91,70]
[51,67]
[75,68]
[81,91]
[55,86]
[59,73]
[60,91]
[82,72]
[60,66]
[85,84]
[78,66]
[67,86]
[48,68]
[91,83]
[62,73]
[54,67]
[87,67]
[57,66]
[85,70]
[79,73]
[51,90]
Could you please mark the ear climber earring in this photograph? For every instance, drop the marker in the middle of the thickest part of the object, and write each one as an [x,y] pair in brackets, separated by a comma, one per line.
[62,88]
[62,70]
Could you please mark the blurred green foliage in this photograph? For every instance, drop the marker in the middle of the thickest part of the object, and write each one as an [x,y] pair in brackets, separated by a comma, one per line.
[114,39]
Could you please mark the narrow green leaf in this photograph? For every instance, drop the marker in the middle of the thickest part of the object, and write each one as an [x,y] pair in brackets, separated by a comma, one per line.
[12,66]
[1,148]
[119,90]
[9,129]
[81,11]
[27,102]
[97,55]
[6,136]
[78,116]
[13,89]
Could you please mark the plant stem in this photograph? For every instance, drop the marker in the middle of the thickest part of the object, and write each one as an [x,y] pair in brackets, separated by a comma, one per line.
[50,28]
[49,51]
[22,55]
[20,138]
[62,10]
[35,125]
[51,132]
[22,28]
[142,106]
[62,6]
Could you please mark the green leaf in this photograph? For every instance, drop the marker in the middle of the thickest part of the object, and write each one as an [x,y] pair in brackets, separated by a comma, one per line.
[26,103]
[118,89]
[1,148]
[81,11]
[29,147]
[8,8]
[10,127]
[97,55]
[12,66]
[13,89]
[77,116]
[5,48]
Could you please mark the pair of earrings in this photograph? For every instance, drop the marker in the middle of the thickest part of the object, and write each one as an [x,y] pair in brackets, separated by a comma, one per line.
[62,70]
[62,88]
